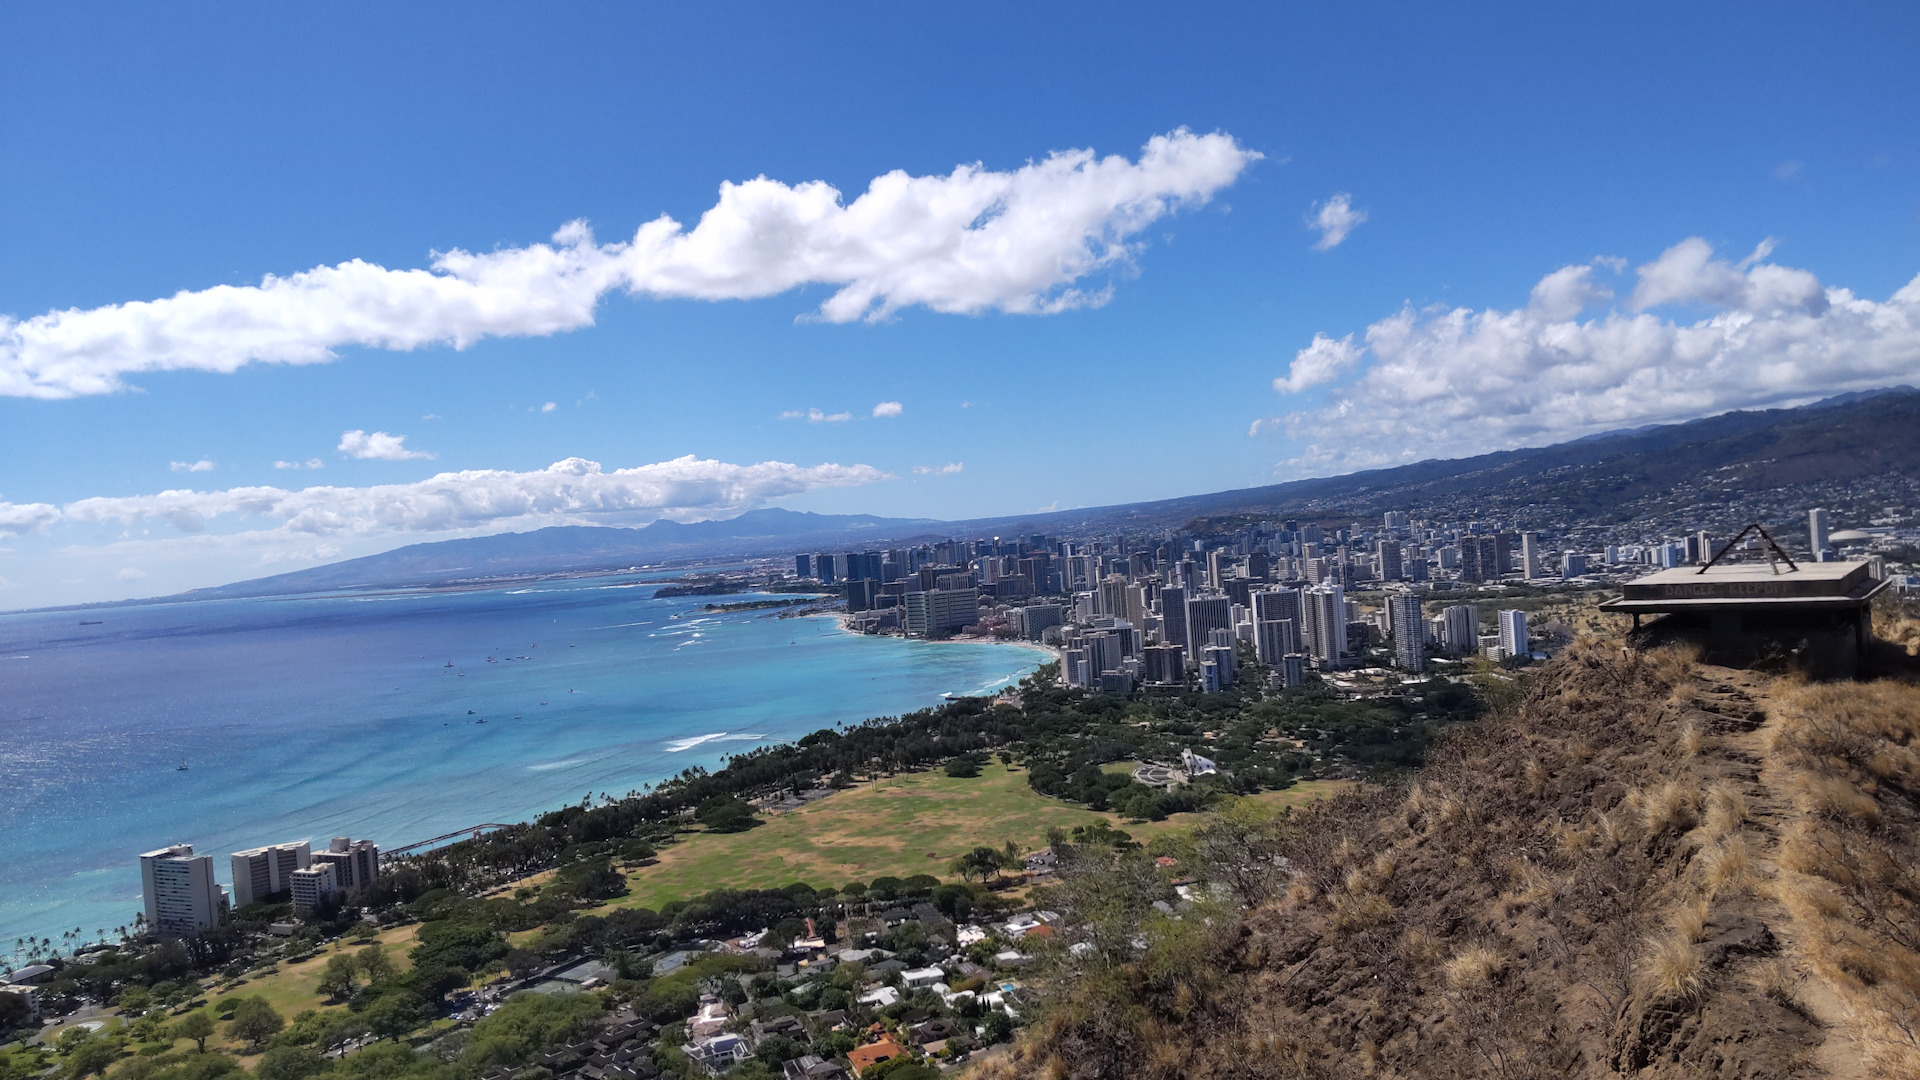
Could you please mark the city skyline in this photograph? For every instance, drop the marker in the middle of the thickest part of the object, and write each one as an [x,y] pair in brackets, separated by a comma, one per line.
[359,327]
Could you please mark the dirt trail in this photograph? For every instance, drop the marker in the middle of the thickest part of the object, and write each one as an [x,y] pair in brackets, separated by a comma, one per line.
[1734,706]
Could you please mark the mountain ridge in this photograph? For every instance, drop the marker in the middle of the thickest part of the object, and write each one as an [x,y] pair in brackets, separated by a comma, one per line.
[1589,483]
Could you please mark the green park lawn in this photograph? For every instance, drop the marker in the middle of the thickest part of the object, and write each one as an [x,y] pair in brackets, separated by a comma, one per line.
[915,823]
[904,825]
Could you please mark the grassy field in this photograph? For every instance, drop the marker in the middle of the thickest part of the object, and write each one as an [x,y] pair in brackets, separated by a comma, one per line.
[292,989]
[912,824]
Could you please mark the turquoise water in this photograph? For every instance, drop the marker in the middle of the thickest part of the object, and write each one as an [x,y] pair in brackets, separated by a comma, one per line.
[338,716]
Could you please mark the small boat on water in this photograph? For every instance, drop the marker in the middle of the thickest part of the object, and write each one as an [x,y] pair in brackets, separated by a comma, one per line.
[89,622]
[449,663]
[181,768]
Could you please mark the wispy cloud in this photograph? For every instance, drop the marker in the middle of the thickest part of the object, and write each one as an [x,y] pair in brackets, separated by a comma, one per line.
[378,446]
[940,470]
[1333,220]
[1443,382]
[310,463]
[570,490]
[549,407]
[973,240]
[203,465]
[817,416]
[888,408]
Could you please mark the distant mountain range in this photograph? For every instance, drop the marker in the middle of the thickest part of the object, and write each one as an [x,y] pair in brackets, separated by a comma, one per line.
[575,548]
[1862,446]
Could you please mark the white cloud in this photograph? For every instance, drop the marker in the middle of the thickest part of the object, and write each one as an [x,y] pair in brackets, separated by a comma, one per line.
[310,463]
[378,446]
[1333,220]
[940,470]
[1445,382]
[549,407]
[203,465]
[18,519]
[574,489]
[971,241]
[888,408]
[817,416]
[1565,293]
[1321,361]
[130,574]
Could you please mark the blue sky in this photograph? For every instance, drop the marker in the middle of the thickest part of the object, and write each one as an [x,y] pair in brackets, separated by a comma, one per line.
[1558,222]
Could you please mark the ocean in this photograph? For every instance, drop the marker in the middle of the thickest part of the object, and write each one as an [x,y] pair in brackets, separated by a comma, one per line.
[362,716]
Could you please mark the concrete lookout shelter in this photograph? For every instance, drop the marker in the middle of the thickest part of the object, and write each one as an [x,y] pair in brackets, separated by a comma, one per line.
[1811,617]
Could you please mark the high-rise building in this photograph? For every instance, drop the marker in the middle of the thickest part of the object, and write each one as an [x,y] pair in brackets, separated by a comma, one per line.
[1164,665]
[260,872]
[1274,639]
[1513,633]
[1326,622]
[1460,635]
[861,593]
[1817,533]
[1206,614]
[1530,565]
[356,863]
[1036,618]
[1396,519]
[1482,558]
[1173,615]
[1572,565]
[1113,596]
[1705,544]
[1106,651]
[1076,667]
[312,887]
[823,569]
[934,612]
[1392,567]
[180,892]
[1293,670]
[1409,631]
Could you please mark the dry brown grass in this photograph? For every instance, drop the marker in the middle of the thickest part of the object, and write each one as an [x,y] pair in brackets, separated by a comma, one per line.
[1690,740]
[1671,806]
[1851,862]
[1726,811]
[1473,966]
[1726,866]
[1690,922]
[1673,969]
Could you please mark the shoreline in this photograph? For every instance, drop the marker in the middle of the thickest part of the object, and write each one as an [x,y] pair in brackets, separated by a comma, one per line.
[1052,654]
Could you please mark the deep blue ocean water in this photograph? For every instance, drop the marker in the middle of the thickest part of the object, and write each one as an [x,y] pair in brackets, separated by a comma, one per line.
[337,716]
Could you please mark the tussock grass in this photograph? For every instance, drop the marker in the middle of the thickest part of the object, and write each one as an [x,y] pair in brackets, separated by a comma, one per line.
[1690,922]
[1673,969]
[1672,806]
[1726,811]
[1726,867]
[1851,862]
[1473,966]
[1689,740]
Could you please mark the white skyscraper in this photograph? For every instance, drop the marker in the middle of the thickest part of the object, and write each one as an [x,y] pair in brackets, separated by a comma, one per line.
[1326,618]
[180,892]
[262,871]
[1817,532]
[1462,629]
[1513,633]
[1530,566]
[312,886]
